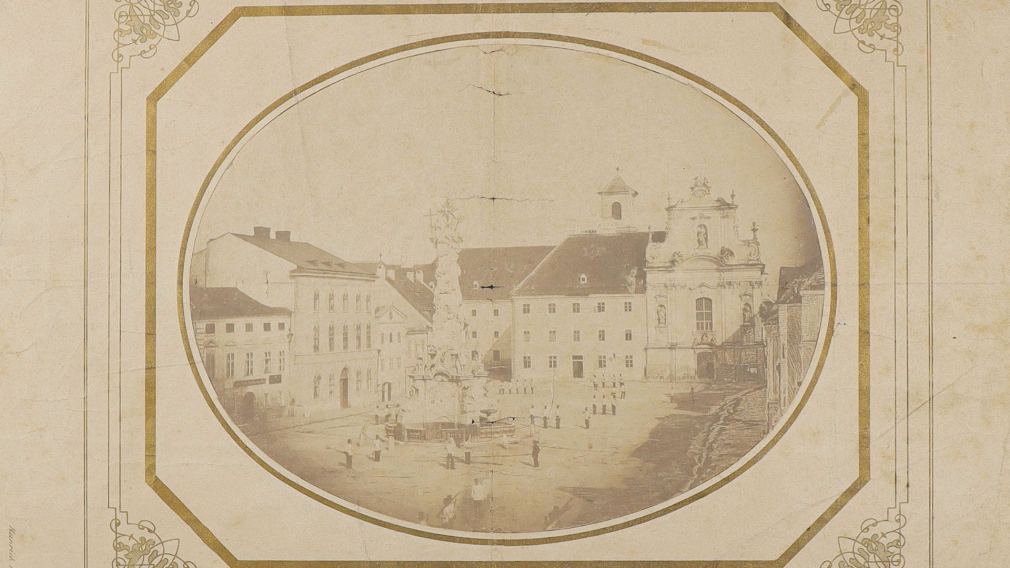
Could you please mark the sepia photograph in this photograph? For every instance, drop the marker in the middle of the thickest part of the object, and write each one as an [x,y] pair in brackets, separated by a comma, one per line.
[507,288]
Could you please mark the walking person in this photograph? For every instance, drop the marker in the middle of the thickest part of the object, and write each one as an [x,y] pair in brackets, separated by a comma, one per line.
[533,415]
[467,446]
[594,404]
[349,454]
[450,453]
[557,417]
[377,449]
[448,513]
[586,417]
[536,453]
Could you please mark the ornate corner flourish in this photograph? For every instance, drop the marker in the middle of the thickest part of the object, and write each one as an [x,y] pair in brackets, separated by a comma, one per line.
[879,544]
[875,24]
[142,24]
[139,546]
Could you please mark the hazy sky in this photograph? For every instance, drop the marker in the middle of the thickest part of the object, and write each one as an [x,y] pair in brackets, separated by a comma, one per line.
[355,167]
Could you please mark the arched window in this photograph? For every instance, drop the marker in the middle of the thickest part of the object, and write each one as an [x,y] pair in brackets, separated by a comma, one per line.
[703,314]
[315,301]
[345,302]
[615,210]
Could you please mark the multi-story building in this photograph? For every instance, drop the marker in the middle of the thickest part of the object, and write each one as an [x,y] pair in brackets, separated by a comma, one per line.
[487,278]
[791,327]
[393,346]
[703,284]
[245,347]
[333,360]
[582,311]
[406,289]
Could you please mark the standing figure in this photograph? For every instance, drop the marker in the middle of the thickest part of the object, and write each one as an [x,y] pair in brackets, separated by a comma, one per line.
[536,453]
[594,404]
[450,453]
[349,453]
[533,414]
[557,417]
[613,408]
[377,449]
[547,412]
[467,446]
[586,417]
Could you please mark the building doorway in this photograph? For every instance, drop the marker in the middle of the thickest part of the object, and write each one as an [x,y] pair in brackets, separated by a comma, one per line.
[578,370]
[387,391]
[247,408]
[706,365]
[344,388]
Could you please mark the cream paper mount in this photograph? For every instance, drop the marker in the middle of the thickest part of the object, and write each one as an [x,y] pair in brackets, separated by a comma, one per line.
[526,282]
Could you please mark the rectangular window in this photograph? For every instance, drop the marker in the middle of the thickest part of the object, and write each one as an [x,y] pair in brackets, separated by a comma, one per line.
[629,361]
[368,336]
[267,362]
[332,302]
[357,335]
[281,359]
[703,314]
[332,385]
[346,339]
[601,362]
[357,302]
[315,386]
[315,301]
[248,363]
[333,337]
[552,308]
[209,363]
[209,328]
[552,336]
[473,335]
[576,307]
[526,335]
[627,306]
[527,362]
[248,327]
[552,362]
[229,328]
[602,335]
[473,312]
[266,326]
[497,334]
[229,365]
[315,339]
[280,326]
[601,307]
[344,302]
[497,312]
[526,308]
[496,355]
[576,335]
[627,335]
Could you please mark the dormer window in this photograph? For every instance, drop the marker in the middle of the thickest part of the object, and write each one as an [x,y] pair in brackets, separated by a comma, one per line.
[583,279]
[476,284]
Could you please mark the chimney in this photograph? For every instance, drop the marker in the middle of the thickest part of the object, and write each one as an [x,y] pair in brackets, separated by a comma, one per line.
[283,235]
[380,271]
[261,232]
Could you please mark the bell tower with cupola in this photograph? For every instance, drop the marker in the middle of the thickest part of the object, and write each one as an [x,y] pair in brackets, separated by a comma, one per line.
[617,206]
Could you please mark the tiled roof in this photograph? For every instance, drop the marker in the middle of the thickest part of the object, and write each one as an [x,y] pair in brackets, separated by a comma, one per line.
[611,263]
[220,303]
[500,267]
[305,256]
[617,186]
[793,279]
[419,296]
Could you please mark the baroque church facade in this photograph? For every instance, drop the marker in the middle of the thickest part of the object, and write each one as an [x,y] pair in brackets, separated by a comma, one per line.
[703,286]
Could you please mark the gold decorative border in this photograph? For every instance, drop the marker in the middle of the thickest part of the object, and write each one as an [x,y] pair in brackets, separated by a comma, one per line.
[766,7]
